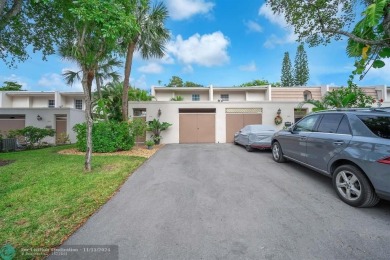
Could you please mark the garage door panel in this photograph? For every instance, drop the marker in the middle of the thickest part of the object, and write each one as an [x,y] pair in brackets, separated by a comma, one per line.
[252,119]
[196,128]
[11,124]
[206,128]
[234,123]
[188,128]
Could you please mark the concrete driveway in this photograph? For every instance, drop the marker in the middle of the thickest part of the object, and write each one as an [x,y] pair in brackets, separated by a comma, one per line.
[217,201]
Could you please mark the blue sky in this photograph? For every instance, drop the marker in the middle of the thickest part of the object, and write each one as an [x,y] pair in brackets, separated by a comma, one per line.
[213,42]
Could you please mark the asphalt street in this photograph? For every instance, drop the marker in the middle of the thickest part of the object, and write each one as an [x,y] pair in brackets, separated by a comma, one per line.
[217,201]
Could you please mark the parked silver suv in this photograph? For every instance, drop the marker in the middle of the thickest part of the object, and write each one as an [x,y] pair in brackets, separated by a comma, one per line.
[351,146]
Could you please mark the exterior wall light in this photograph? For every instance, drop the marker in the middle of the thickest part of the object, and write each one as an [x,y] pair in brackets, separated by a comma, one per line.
[279,112]
[159,112]
[39,118]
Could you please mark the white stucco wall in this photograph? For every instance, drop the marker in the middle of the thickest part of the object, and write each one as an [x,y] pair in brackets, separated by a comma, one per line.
[48,115]
[233,95]
[40,101]
[20,101]
[170,113]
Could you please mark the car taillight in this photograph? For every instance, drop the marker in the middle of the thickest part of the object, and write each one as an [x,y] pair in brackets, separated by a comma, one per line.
[385,160]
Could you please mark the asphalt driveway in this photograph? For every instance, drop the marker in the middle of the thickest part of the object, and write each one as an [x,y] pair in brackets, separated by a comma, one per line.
[217,201]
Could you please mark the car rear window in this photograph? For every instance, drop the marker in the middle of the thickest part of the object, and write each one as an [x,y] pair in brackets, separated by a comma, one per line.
[379,125]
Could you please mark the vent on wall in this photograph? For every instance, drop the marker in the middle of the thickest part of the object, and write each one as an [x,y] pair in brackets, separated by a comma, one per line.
[244,110]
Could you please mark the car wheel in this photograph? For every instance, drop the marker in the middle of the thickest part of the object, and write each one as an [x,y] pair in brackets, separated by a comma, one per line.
[249,148]
[277,153]
[353,187]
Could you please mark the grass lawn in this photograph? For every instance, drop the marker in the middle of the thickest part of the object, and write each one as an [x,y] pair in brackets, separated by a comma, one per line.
[45,196]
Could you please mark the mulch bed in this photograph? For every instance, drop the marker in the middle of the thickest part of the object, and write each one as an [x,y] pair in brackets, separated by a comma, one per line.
[6,162]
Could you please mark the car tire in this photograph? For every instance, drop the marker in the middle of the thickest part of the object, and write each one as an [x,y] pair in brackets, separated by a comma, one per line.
[277,153]
[353,187]
[248,148]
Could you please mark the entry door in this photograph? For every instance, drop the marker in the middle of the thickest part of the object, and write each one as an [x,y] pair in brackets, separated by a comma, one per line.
[197,128]
[234,122]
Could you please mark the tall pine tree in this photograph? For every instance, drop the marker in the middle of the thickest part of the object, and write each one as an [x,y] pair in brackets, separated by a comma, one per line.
[301,68]
[287,78]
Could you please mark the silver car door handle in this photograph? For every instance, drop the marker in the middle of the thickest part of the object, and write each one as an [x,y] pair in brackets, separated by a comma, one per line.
[338,143]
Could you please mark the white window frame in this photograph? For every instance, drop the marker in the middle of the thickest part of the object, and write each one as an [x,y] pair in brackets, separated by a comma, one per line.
[51,101]
[78,102]
[195,97]
[225,97]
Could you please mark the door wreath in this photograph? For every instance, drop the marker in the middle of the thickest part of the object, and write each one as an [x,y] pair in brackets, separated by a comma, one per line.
[278,120]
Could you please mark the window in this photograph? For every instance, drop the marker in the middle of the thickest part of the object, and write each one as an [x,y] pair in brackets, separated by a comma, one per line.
[307,95]
[139,111]
[78,103]
[195,97]
[225,97]
[306,124]
[330,123]
[344,127]
[379,125]
[51,103]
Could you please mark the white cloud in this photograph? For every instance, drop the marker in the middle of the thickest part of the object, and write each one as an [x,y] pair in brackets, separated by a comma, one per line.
[249,67]
[380,75]
[151,68]
[279,21]
[253,26]
[184,9]
[139,83]
[188,69]
[16,79]
[55,81]
[205,50]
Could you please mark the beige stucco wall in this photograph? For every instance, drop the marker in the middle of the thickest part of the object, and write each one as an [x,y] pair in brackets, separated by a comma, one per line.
[256,96]
[170,113]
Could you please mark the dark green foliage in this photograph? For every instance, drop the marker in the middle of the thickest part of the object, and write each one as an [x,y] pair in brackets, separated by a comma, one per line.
[106,137]
[318,22]
[33,135]
[256,82]
[343,97]
[11,86]
[190,84]
[287,78]
[175,81]
[156,127]
[301,67]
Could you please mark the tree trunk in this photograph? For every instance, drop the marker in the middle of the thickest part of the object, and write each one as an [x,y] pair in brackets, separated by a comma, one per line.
[126,81]
[87,84]
[99,90]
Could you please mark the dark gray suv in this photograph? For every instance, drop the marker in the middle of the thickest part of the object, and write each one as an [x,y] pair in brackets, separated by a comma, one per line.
[351,146]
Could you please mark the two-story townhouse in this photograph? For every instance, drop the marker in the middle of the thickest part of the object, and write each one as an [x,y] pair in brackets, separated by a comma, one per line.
[55,110]
[214,114]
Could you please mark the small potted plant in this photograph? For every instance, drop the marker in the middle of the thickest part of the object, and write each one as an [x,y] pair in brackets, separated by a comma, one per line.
[149,144]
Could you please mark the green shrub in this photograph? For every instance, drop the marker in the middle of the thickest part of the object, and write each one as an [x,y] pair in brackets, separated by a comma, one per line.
[32,135]
[106,137]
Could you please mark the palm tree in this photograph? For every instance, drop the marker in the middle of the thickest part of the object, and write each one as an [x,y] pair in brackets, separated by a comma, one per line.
[149,39]
[103,72]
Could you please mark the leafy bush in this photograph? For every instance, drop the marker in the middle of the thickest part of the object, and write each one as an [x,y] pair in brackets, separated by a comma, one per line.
[106,137]
[32,135]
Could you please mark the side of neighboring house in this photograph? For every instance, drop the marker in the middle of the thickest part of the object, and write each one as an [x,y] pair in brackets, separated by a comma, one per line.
[214,114]
[55,110]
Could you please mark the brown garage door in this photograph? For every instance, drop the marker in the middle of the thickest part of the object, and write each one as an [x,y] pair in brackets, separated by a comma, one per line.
[234,122]
[196,128]
[11,123]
